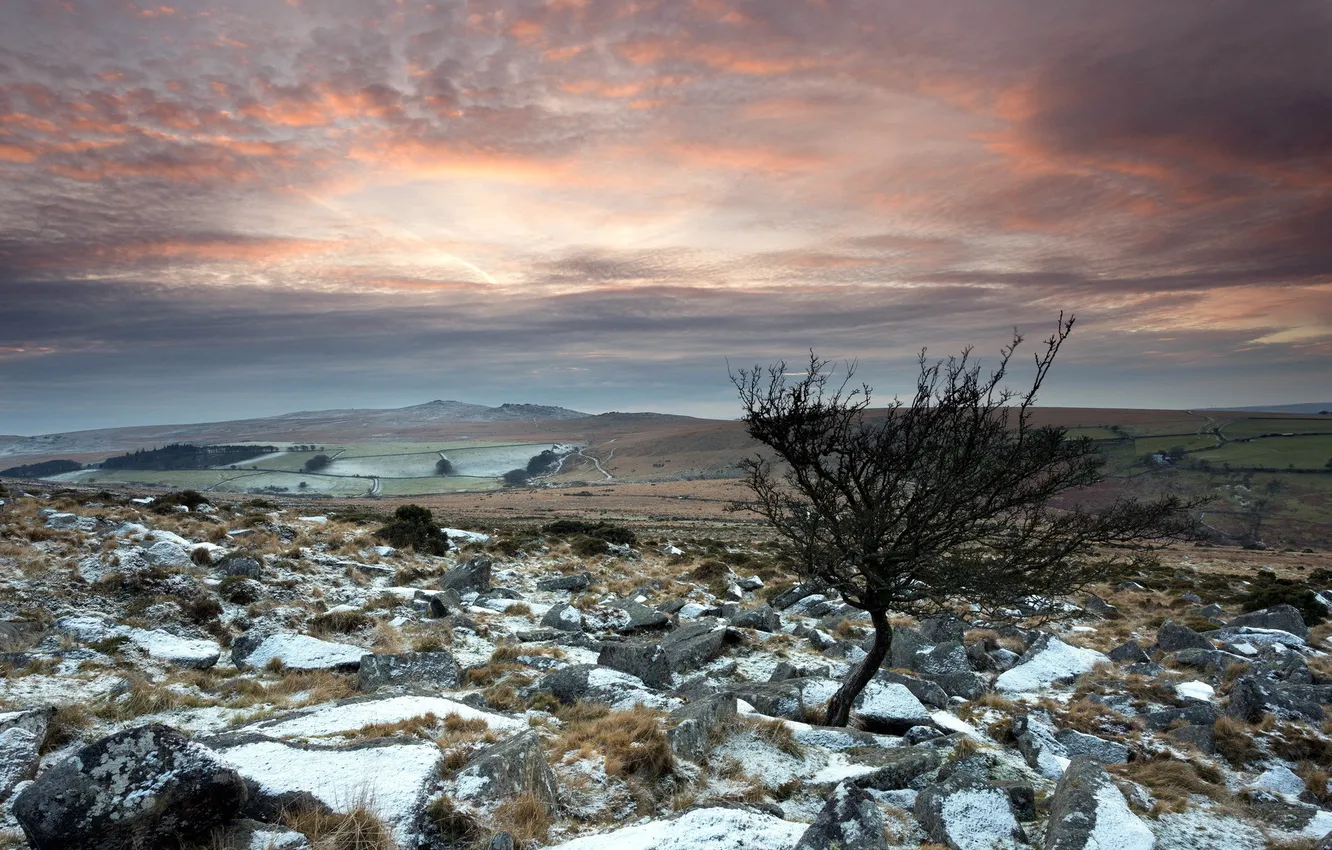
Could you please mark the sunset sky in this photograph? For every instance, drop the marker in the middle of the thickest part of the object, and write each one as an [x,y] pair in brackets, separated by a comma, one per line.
[213,210]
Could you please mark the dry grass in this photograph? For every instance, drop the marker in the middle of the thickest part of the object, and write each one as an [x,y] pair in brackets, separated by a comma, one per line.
[432,642]
[1316,778]
[633,743]
[340,622]
[423,727]
[525,817]
[144,697]
[1235,742]
[774,732]
[455,828]
[1172,782]
[67,724]
[357,829]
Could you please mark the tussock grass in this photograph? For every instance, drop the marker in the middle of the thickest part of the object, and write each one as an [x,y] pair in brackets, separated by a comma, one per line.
[633,743]
[359,828]
[1235,742]
[525,817]
[67,724]
[773,732]
[1172,782]
[340,622]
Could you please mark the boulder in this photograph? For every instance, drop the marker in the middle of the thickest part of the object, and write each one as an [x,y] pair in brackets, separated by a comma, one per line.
[906,643]
[138,788]
[890,707]
[1098,749]
[1212,661]
[445,603]
[696,722]
[296,652]
[595,683]
[516,766]
[943,659]
[942,628]
[640,617]
[964,813]
[18,757]
[793,594]
[1130,652]
[471,575]
[1087,812]
[963,683]
[577,581]
[647,661]
[1203,738]
[1172,637]
[566,618]
[695,644]
[1039,745]
[237,564]
[1049,661]
[850,818]
[434,668]
[928,692]
[894,769]
[1098,606]
[763,619]
[789,698]
[1198,714]
[1251,698]
[165,553]
[1287,618]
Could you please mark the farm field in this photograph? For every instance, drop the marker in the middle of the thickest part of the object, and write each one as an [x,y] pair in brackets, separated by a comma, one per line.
[1244,428]
[1309,452]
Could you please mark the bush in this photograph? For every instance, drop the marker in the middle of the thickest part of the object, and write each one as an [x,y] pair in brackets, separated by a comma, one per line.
[317,463]
[191,499]
[443,466]
[588,547]
[1276,591]
[609,532]
[515,477]
[414,527]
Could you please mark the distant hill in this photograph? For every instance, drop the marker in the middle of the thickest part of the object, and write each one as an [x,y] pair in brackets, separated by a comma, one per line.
[1308,407]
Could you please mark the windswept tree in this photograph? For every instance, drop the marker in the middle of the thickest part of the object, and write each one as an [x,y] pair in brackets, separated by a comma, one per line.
[444,466]
[939,504]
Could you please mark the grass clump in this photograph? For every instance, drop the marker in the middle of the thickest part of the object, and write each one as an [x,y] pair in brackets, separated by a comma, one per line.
[356,829]
[67,724]
[340,622]
[776,733]
[1234,741]
[526,818]
[414,527]
[633,743]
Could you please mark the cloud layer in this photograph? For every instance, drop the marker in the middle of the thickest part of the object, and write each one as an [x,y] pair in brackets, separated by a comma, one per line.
[210,210]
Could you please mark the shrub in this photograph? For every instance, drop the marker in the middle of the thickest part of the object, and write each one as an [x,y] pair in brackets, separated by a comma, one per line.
[587,547]
[191,499]
[238,590]
[201,609]
[317,463]
[609,532]
[1276,591]
[201,557]
[443,466]
[515,477]
[414,527]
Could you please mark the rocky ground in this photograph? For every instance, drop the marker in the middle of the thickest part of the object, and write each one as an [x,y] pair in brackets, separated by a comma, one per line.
[241,676]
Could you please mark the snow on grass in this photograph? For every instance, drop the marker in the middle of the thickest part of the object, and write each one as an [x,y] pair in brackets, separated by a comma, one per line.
[839,768]
[622,691]
[337,719]
[1058,661]
[952,723]
[700,829]
[391,780]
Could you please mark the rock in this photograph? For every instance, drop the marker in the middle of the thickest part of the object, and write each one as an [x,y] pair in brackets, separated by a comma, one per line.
[1130,652]
[640,617]
[921,734]
[967,814]
[1277,811]
[577,581]
[1087,812]
[793,594]
[1280,780]
[789,698]
[1213,661]
[942,628]
[1172,637]
[296,652]
[435,668]
[471,575]
[1100,750]
[563,617]
[850,818]
[140,787]
[943,659]
[1048,662]
[695,723]
[18,758]
[895,769]
[1287,618]
[890,707]
[516,766]
[1098,606]
[1251,698]
[1202,738]
[395,773]
[237,564]
[165,553]
[928,692]
[695,644]
[763,619]
[1199,714]
[647,661]
[594,683]
[906,643]
[964,684]
[1037,742]
[183,652]
[750,583]
[445,603]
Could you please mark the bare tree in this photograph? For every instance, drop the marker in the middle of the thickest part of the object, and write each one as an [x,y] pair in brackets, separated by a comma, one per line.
[935,505]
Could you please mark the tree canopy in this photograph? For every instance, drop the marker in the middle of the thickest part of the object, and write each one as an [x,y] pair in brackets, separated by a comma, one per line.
[942,503]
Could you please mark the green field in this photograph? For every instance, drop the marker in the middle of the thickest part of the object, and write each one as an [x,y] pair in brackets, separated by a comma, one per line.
[1273,452]
[1241,428]
[1191,442]
[1096,432]
[426,486]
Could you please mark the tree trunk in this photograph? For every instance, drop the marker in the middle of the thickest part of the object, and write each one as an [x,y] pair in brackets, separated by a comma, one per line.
[839,707]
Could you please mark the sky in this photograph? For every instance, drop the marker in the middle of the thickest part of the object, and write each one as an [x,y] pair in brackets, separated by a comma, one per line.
[216,210]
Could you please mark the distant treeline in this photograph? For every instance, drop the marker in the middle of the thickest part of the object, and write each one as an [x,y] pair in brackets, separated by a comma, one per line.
[41,470]
[185,456]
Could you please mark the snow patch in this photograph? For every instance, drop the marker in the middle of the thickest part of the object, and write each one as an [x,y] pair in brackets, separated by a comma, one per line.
[701,829]
[1057,661]
[337,719]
